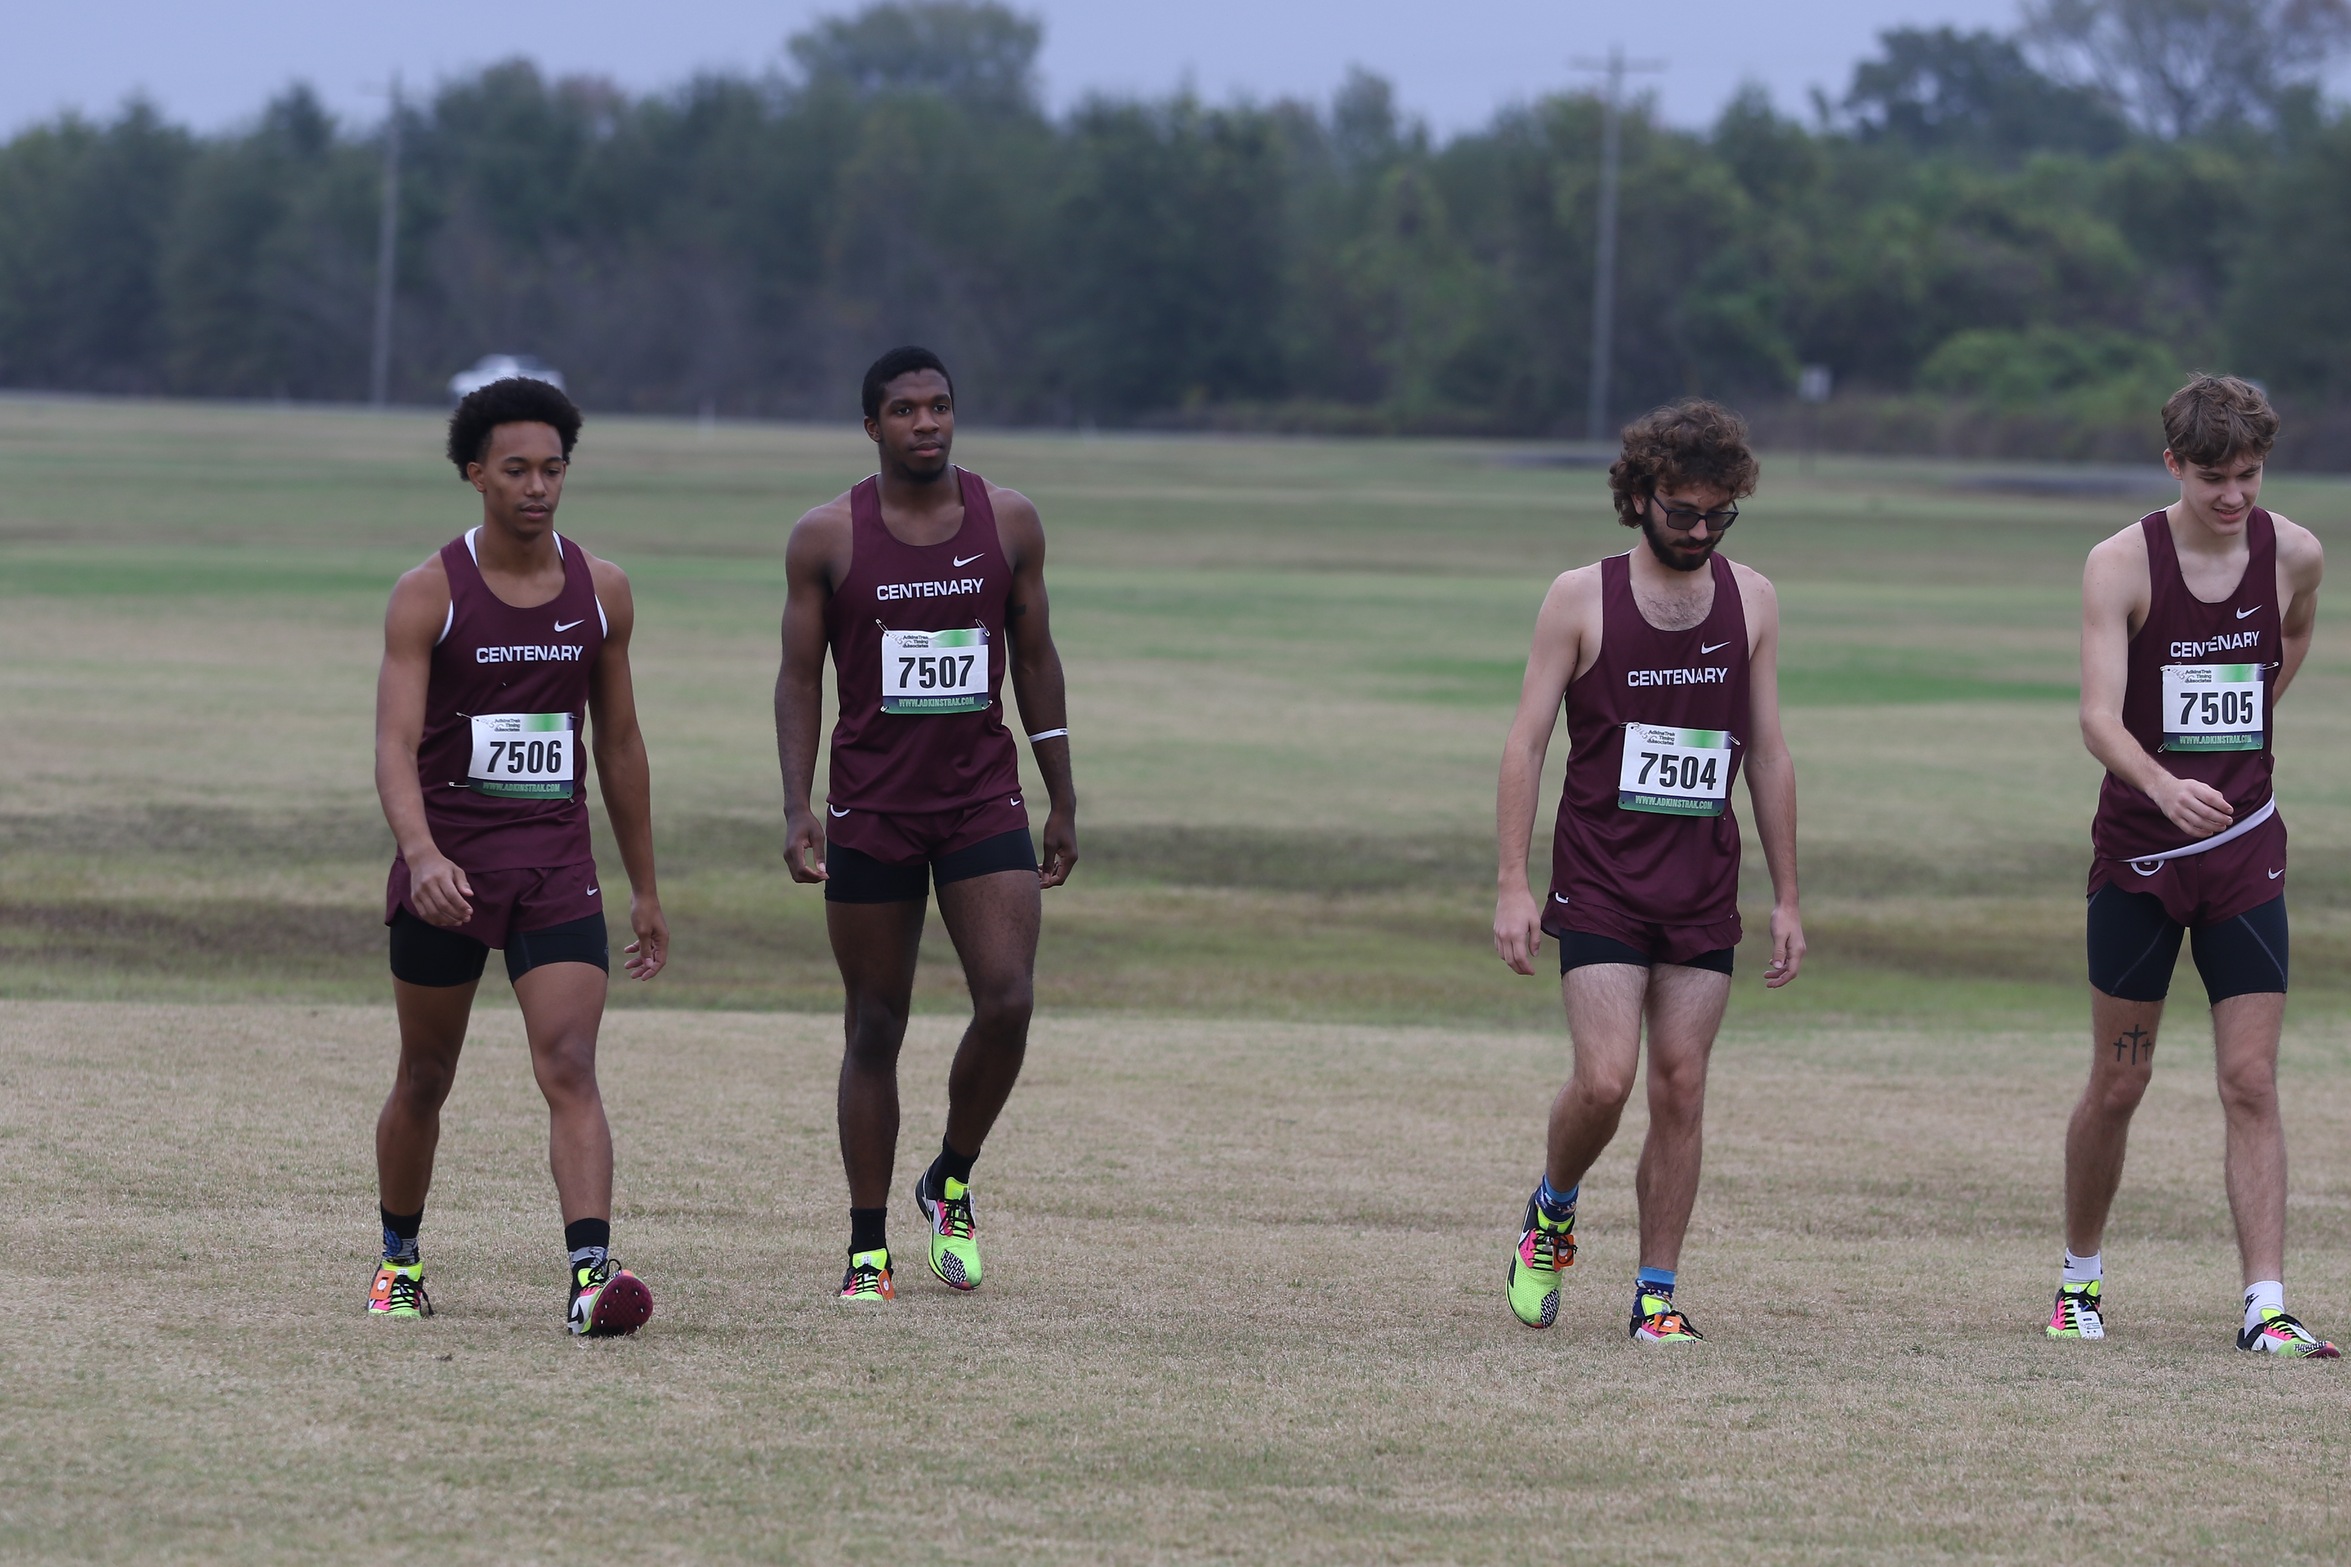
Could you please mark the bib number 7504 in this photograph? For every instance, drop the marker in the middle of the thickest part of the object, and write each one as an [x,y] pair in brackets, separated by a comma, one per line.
[2212,707]
[935,671]
[1674,772]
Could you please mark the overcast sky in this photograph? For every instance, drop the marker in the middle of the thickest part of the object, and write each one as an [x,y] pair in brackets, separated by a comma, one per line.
[1453,61]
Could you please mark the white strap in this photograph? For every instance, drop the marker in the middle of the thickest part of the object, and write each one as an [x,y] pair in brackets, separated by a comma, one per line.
[2148,864]
[1049,734]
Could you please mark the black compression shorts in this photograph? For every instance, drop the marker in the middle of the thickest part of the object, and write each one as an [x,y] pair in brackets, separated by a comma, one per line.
[1579,948]
[2135,944]
[852,876]
[425,954]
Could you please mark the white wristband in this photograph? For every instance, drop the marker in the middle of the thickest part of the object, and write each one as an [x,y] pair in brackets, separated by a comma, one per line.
[1050,734]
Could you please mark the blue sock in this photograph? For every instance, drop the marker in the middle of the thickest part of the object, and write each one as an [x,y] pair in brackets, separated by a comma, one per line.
[1654,1281]
[1556,1205]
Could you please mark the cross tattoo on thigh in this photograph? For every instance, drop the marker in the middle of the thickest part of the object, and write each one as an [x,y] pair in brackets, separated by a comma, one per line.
[2131,1041]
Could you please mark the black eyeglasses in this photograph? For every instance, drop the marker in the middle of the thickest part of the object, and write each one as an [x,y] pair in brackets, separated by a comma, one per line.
[1681,519]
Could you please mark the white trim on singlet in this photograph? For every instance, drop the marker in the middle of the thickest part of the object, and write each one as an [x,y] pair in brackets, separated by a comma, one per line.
[448,622]
[603,625]
[2149,864]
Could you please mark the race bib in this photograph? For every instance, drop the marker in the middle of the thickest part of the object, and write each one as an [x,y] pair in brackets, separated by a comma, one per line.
[2212,707]
[522,756]
[935,671]
[1674,772]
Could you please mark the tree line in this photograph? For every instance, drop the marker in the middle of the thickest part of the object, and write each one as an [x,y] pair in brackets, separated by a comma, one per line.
[2047,226]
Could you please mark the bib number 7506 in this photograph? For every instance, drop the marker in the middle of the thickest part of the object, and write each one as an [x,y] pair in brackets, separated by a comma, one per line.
[1674,772]
[935,671]
[522,756]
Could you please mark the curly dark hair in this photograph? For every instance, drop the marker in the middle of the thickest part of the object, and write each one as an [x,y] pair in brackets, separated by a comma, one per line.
[1692,442]
[2216,417]
[516,400]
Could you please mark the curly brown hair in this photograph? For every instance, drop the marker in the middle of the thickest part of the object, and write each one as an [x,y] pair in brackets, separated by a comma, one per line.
[1692,442]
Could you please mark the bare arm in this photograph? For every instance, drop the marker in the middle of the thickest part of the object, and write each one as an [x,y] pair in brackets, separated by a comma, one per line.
[1554,659]
[2301,563]
[1771,778]
[2114,592]
[437,890]
[622,771]
[819,543]
[1035,665]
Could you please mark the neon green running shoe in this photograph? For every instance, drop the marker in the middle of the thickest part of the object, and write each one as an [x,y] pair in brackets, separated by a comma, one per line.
[607,1301]
[955,1249]
[2080,1312]
[2278,1333]
[867,1283]
[399,1291]
[1546,1249]
[1657,1320]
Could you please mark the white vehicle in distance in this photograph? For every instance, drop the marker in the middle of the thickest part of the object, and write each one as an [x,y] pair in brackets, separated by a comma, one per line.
[502,367]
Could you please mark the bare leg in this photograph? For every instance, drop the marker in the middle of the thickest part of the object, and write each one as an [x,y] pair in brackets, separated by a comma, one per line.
[1604,1023]
[1685,1013]
[993,921]
[562,1009]
[2122,1059]
[408,1130]
[875,945]
[2245,1050]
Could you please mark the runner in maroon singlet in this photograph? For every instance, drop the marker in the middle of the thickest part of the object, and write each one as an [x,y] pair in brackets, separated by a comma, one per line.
[1667,661]
[2194,621]
[500,653]
[928,586]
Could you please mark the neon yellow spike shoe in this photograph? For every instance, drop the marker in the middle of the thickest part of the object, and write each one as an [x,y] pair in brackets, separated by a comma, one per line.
[955,1249]
[1656,1320]
[2081,1311]
[1546,1249]
[607,1301]
[867,1283]
[2278,1333]
[399,1291]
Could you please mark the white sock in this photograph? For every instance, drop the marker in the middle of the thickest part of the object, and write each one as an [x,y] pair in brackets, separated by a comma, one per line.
[2261,1295]
[2084,1270]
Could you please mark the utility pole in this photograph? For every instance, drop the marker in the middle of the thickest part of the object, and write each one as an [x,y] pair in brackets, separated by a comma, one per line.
[379,369]
[1615,68]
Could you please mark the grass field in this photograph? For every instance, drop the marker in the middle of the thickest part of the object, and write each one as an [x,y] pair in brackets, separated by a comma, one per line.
[1280,1078]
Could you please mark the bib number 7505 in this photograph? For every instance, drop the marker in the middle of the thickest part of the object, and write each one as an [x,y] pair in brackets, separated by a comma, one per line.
[2212,707]
[1674,772]
[935,671]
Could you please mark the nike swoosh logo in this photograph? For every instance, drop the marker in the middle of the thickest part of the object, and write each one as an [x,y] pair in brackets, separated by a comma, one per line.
[2274,875]
[1703,651]
[1016,799]
[566,625]
[965,560]
[836,813]
[1556,898]
[2242,613]
[591,892]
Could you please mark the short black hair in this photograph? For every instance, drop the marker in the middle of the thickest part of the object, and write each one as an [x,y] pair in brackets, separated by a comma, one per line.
[516,400]
[892,365]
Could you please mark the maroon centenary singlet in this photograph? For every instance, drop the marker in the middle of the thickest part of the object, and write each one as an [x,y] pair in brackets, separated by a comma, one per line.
[2199,699]
[1655,730]
[917,633]
[501,760]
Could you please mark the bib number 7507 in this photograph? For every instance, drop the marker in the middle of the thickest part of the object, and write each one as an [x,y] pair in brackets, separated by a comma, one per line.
[935,671]
[1674,772]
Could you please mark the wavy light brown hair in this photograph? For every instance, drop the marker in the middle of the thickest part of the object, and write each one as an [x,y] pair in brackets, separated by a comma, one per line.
[2216,417]
[1692,442]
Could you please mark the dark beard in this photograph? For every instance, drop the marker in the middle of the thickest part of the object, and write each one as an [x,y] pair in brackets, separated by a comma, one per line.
[1677,557]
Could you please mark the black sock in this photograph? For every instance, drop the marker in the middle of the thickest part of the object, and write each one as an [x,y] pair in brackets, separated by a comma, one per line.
[949,1166]
[400,1234]
[869,1229]
[589,1241]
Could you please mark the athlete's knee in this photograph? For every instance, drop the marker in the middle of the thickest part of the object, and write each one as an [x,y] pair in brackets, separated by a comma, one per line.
[1002,1004]
[2250,1087]
[1606,1085]
[422,1082]
[1677,1088]
[566,1070]
[874,1034]
[2117,1092]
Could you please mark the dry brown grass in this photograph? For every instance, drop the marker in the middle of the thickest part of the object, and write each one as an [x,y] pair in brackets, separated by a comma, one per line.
[1243,1304]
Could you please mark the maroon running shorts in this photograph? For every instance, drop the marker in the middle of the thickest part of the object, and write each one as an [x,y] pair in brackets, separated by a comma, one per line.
[507,901]
[2211,888]
[920,838]
[1663,943]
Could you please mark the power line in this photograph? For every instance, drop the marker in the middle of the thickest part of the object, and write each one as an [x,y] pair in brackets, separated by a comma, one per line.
[1615,68]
